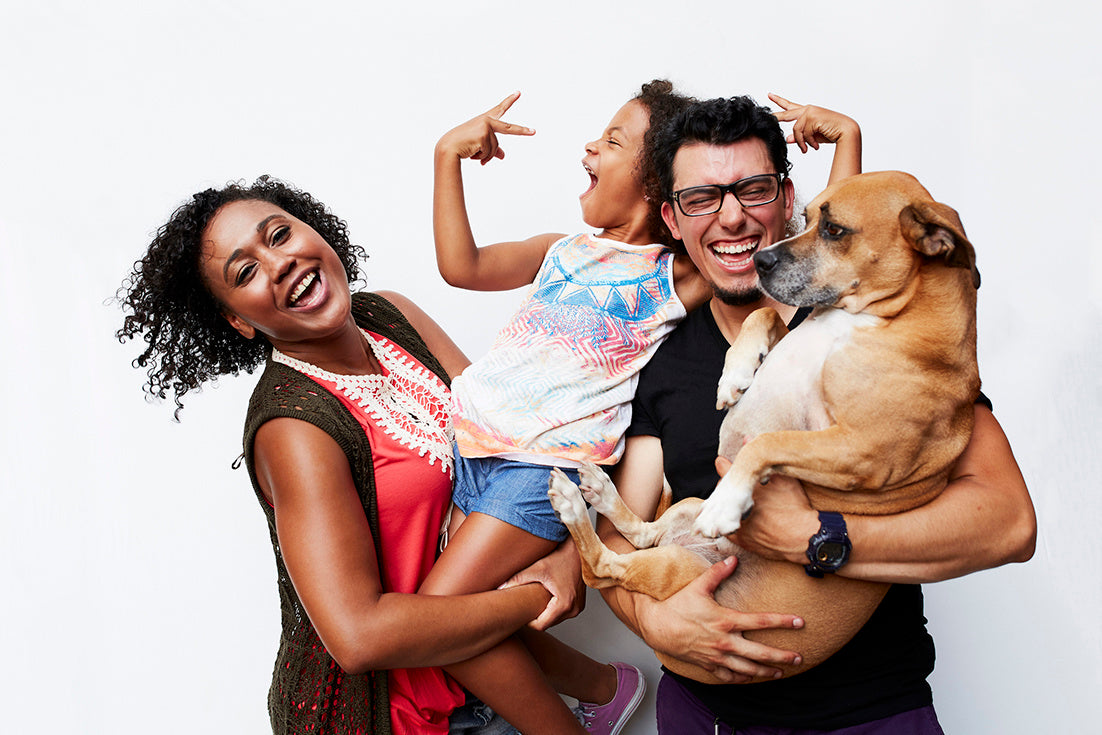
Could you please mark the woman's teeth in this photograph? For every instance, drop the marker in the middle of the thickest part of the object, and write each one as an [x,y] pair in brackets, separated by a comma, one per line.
[302,286]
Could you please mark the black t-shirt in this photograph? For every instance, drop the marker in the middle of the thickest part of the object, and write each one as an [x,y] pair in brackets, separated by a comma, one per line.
[882,671]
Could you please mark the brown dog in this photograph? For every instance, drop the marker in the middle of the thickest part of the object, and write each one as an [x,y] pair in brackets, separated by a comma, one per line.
[869,403]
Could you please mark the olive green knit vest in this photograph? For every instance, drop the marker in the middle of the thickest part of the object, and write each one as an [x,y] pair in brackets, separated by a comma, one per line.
[310,693]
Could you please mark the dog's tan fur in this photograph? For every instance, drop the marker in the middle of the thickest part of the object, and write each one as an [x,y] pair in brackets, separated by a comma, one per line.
[869,404]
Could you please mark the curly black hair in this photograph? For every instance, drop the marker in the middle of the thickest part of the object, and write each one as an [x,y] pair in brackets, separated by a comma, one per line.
[188,341]
[719,121]
[663,104]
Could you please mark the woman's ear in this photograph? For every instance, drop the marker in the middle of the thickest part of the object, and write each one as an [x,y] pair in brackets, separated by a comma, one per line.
[246,330]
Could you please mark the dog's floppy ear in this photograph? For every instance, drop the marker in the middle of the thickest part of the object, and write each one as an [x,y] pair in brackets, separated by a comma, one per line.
[934,229]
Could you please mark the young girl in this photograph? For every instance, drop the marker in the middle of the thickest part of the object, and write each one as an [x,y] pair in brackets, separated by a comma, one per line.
[506,531]
[556,388]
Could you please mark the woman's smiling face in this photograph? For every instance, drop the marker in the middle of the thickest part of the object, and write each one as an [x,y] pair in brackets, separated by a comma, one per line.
[273,274]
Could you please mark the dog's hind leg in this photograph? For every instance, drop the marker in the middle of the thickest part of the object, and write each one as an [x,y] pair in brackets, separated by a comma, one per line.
[657,572]
[567,502]
[599,492]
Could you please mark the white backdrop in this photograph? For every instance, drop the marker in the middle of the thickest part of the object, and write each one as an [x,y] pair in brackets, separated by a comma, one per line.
[136,572]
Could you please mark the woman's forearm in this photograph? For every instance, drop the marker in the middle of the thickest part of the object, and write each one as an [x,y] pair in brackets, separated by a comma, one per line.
[410,631]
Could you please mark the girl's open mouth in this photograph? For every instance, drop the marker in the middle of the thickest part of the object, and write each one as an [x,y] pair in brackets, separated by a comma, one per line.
[592,178]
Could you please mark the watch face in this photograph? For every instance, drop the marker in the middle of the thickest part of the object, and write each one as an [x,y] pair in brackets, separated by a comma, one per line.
[830,552]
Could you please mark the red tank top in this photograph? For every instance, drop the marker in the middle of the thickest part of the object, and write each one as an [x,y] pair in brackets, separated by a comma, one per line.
[405,413]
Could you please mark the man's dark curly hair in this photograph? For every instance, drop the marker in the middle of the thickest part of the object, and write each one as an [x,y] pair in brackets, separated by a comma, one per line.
[662,104]
[719,121]
[188,341]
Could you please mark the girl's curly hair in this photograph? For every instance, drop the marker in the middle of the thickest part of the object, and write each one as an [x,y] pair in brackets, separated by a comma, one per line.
[663,104]
[188,341]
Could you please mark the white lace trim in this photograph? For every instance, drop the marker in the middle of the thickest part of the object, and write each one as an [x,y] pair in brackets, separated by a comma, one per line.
[409,403]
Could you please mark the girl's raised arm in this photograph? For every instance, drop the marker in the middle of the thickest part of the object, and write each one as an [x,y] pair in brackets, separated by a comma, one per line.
[815,125]
[461,261]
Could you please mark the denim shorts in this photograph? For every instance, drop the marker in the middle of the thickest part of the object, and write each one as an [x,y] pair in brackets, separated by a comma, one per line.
[475,718]
[511,491]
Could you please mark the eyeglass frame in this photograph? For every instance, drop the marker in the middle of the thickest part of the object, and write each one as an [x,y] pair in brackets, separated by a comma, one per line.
[725,189]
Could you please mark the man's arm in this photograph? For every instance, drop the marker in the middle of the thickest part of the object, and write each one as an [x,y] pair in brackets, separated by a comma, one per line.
[983,519]
[689,625]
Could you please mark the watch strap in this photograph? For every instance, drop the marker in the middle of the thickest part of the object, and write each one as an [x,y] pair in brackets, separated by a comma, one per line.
[832,528]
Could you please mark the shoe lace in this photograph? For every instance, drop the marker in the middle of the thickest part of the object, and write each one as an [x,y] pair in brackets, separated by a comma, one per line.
[587,712]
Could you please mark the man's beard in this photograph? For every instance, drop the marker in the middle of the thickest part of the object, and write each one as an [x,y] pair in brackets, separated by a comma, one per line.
[741,297]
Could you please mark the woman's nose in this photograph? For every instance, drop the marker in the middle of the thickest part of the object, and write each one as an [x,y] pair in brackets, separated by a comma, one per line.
[279,263]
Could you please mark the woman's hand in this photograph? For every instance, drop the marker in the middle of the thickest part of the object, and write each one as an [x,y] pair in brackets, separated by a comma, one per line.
[477,138]
[560,573]
[692,627]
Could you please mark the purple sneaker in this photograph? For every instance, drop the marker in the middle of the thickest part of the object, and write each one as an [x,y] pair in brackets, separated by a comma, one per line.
[609,719]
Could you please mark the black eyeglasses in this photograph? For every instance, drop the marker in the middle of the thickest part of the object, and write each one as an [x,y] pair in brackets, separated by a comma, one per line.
[753,191]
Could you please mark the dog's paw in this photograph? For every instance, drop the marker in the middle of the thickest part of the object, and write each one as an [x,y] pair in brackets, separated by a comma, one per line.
[597,488]
[565,498]
[735,381]
[731,388]
[739,367]
[722,513]
[714,521]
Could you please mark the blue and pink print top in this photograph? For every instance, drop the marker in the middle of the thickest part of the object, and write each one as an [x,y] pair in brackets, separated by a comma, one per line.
[557,384]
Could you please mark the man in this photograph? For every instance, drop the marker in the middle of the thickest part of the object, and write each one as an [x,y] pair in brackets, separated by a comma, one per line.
[983,519]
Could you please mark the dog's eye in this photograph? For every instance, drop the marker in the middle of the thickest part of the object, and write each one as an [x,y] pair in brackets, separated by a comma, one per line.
[832,230]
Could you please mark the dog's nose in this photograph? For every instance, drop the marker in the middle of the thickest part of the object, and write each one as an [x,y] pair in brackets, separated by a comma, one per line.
[765,260]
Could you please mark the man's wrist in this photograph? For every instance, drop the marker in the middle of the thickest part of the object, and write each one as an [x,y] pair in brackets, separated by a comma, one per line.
[807,527]
[829,549]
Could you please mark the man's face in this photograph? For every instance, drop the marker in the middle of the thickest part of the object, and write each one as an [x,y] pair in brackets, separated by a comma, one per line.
[722,245]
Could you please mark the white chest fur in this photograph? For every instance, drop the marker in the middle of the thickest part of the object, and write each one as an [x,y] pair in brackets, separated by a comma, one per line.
[786,392]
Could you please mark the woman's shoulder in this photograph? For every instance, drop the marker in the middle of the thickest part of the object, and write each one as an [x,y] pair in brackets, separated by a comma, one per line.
[370,308]
[282,390]
[398,319]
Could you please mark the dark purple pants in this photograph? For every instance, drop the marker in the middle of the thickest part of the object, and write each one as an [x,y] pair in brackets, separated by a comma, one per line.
[680,713]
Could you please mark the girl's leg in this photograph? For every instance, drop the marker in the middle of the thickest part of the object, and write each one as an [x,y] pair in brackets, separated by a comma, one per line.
[569,670]
[481,554]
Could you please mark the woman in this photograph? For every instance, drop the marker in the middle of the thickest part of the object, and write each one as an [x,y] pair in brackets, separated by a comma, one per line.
[347,443]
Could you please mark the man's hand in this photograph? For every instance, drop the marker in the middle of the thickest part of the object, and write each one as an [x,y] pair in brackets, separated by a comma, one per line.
[560,572]
[692,627]
[781,521]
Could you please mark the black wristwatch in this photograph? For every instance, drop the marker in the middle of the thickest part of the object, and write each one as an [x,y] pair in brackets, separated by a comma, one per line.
[828,550]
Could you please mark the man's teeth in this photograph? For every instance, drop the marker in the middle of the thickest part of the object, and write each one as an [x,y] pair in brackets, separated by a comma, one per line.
[735,249]
[302,286]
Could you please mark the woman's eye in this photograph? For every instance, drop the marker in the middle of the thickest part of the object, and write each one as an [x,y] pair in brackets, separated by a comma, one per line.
[243,274]
[281,234]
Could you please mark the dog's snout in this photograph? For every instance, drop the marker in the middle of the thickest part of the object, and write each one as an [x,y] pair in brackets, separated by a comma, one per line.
[765,260]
